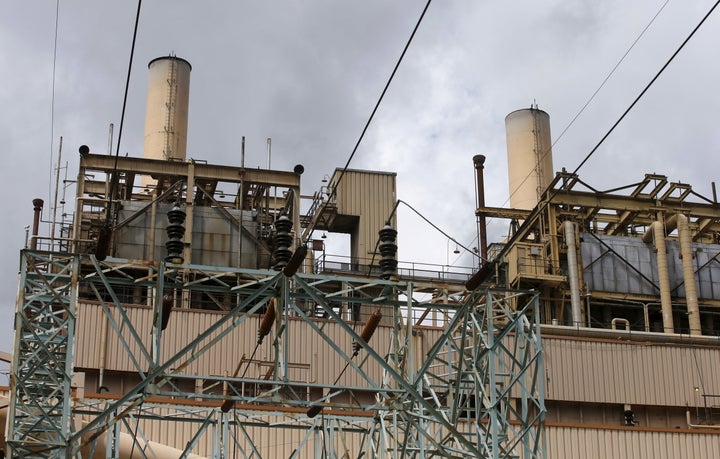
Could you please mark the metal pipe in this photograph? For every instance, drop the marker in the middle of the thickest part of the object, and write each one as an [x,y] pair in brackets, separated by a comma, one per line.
[103,352]
[573,278]
[479,161]
[618,320]
[699,426]
[269,148]
[658,237]
[55,202]
[686,254]
[37,208]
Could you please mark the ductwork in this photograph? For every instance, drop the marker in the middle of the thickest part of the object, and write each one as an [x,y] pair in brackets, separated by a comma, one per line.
[691,298]
[657,234]
[573,276]
[137,450]
[140,450]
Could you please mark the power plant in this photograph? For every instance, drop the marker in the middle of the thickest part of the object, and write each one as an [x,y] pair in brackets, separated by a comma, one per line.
[190,310]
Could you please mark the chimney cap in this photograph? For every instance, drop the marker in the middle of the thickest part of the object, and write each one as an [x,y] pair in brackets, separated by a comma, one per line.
[175,58]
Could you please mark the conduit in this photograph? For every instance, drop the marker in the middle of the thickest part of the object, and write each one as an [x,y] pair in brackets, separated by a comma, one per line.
[141,449]
[693,308]
[699,426]
[658,236]
[573,277]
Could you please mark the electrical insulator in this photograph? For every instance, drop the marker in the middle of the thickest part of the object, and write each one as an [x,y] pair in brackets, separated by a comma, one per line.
[267,321]
[314,411]
[296,260]
[103,242]
[227,404]
[368,331]
[283,242]
[167,304]
[175,233]
[388,251]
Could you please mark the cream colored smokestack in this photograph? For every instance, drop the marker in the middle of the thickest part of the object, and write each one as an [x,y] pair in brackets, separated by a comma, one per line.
[166,116]
[530,168]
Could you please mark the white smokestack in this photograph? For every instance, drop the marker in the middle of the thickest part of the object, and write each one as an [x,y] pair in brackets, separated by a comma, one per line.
[166,116]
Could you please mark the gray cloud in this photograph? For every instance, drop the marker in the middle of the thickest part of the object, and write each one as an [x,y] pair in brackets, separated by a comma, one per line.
[308,73]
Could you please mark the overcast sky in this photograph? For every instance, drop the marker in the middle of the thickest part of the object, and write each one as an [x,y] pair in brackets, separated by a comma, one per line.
[308,73]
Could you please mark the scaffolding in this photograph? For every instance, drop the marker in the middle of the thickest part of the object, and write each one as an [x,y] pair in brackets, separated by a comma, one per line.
[477,391]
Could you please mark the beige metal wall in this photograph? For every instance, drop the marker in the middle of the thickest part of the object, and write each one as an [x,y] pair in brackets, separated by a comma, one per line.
[310,357]
[166,116]
[628,372]
[371,196]
[630,443]
[577,370]
[529,150]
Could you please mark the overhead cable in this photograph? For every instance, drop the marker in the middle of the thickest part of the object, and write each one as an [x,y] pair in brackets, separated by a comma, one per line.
[372,114]
[540,207]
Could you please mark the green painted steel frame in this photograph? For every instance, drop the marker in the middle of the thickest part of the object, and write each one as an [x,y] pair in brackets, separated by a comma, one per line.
[478,393]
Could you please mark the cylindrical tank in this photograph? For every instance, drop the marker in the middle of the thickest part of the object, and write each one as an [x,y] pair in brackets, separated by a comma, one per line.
[166,113]
[529,149]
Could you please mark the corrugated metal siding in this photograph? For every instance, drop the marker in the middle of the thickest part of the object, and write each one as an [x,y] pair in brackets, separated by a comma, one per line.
[371,196]
[305,348]
[586,443]
[634,373]
[577,370]
[270,442]
[215,240]
[607,272]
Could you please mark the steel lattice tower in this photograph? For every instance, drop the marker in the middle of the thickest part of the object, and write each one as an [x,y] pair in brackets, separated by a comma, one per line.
[476,392]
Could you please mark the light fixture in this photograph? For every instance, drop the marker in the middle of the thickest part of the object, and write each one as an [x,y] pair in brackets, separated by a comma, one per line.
[324,236]
[457,250]
[325,178]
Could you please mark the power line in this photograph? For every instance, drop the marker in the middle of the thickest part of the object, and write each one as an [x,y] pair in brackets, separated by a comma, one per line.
[585,105]
[372,114]
[592,97]
[539,208]
[52,97]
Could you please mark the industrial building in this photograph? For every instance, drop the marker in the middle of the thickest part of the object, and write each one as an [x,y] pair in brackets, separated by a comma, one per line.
[190,310]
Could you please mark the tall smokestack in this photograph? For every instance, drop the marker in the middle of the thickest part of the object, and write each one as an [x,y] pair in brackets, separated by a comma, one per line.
[166,116]
[529,149]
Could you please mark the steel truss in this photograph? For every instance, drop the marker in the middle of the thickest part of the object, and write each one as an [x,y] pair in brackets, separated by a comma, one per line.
[477,392]
[40,411]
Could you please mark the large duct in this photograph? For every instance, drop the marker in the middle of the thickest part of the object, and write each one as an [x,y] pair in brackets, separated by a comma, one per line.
[573,274]
[529,150]
[166,115]
[691,298]
[658,236]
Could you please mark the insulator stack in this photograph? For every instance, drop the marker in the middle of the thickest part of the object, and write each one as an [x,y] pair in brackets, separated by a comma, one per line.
[368,331]
[175,233]
[267,321]
[283,242]
[388,251]
[167,304]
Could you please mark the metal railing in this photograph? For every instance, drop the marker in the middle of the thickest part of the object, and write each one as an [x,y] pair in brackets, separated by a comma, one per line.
[411,270]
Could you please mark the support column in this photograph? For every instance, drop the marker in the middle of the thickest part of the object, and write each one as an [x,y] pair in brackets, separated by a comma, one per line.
[691,298]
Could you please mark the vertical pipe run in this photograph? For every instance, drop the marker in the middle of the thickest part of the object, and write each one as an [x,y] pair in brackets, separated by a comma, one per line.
[479,161]
[37,207]
[573,278]
[691,298]
[658,235]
